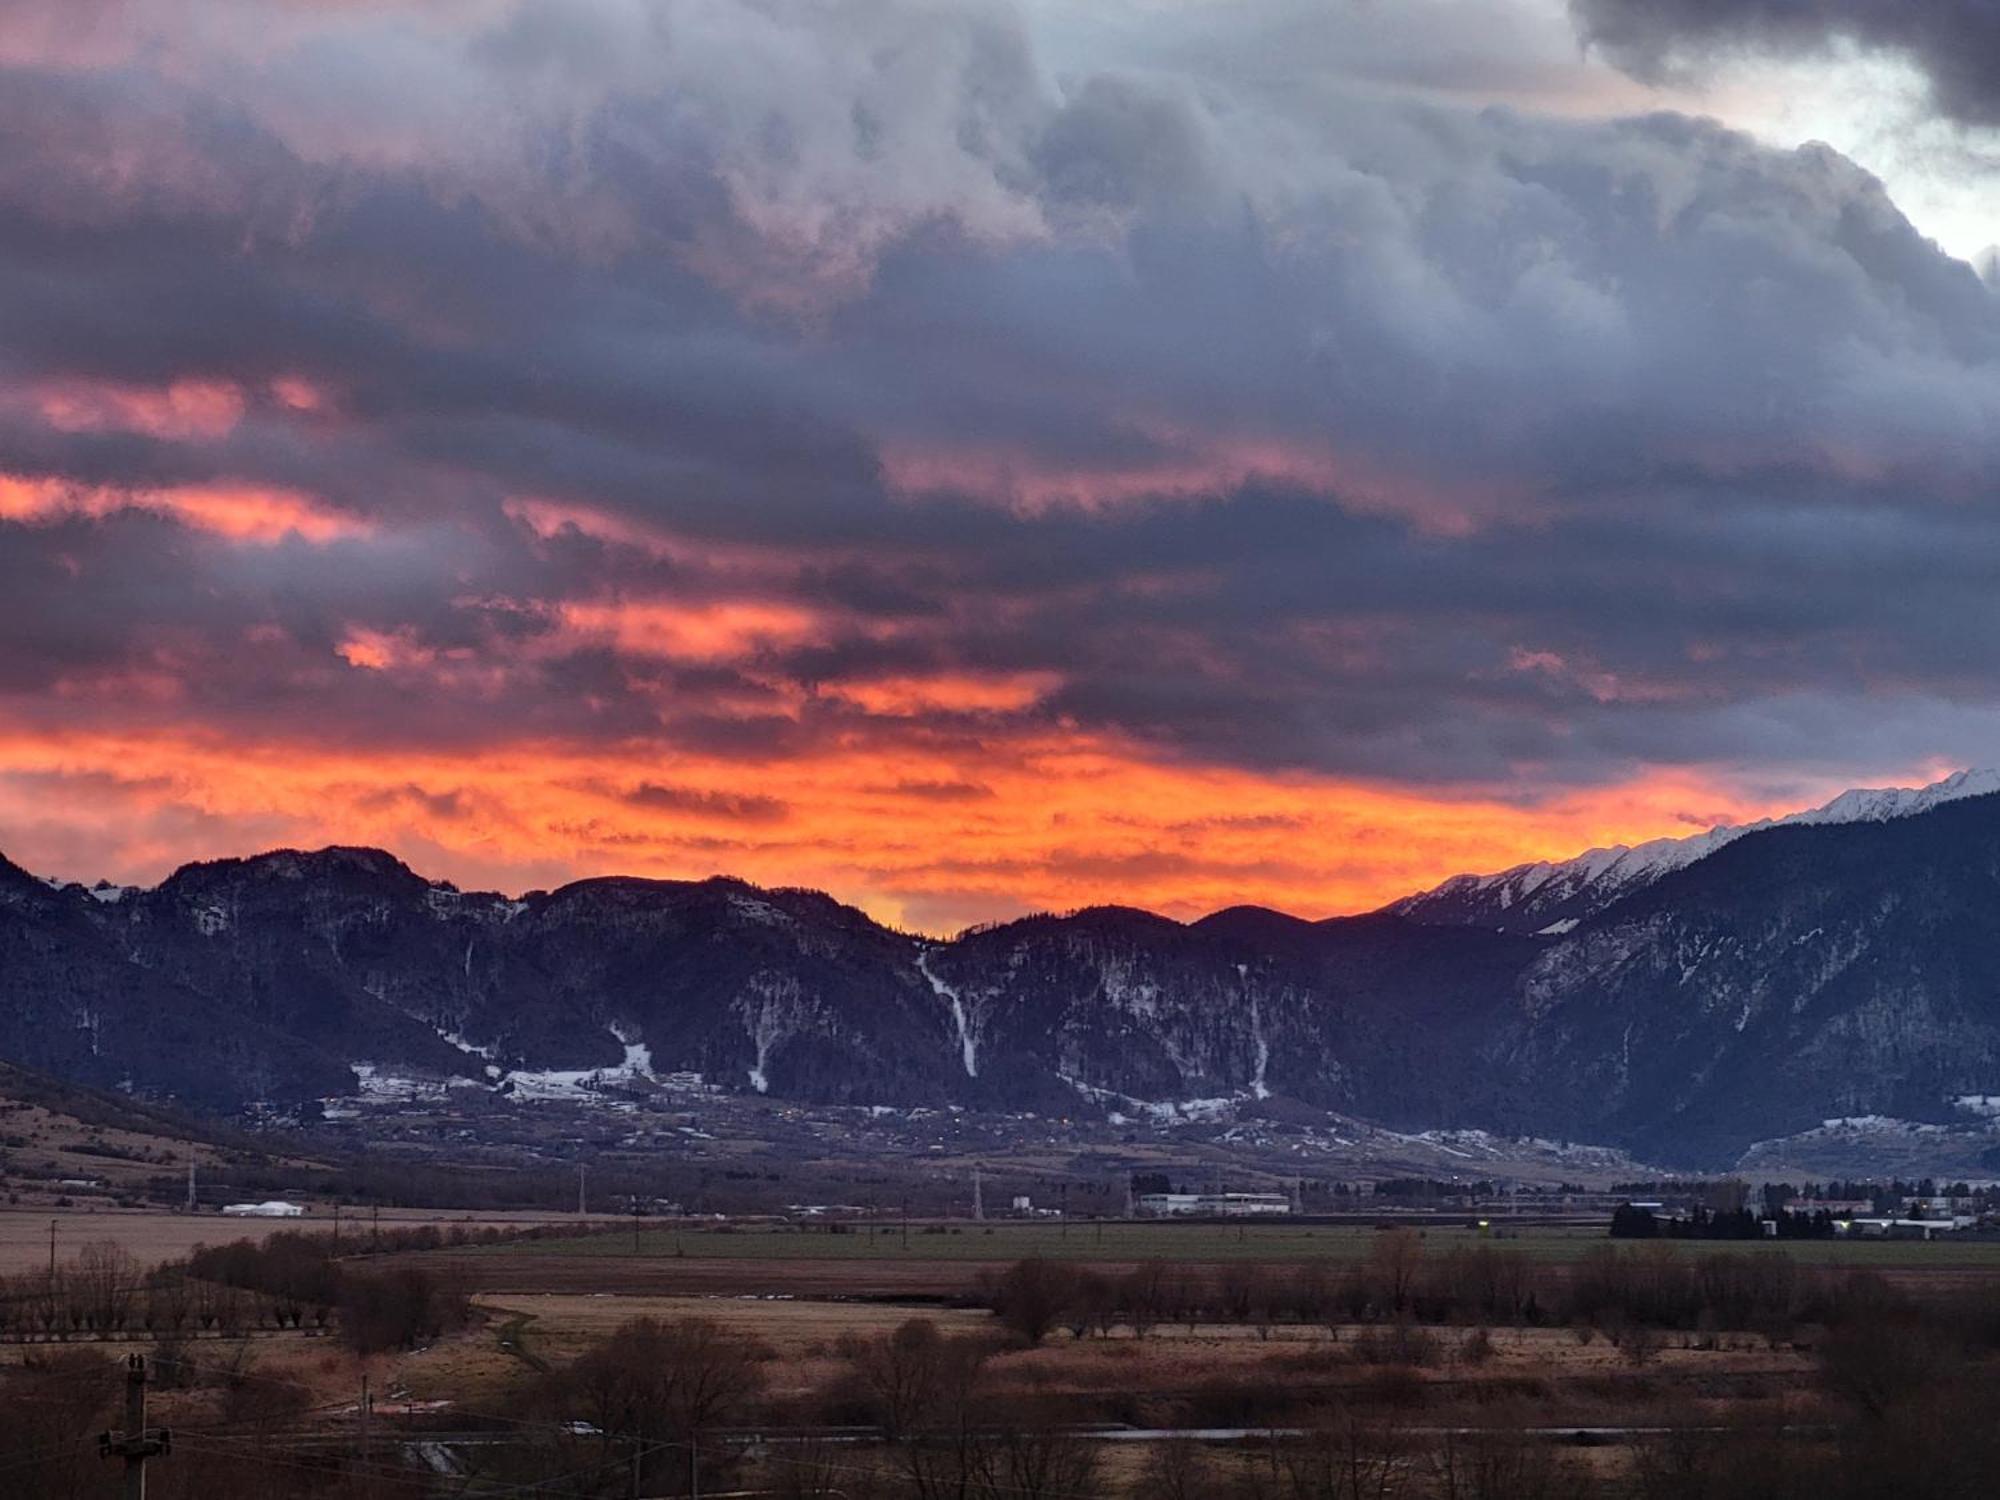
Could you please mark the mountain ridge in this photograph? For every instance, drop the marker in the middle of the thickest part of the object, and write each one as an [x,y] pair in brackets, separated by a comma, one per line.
[1591,878]
[1671,1021]
[1541,895]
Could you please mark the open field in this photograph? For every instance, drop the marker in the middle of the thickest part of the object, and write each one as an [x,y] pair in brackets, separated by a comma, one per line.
[942,1267]
[152,1236]
[1125,1242]
[493,1399]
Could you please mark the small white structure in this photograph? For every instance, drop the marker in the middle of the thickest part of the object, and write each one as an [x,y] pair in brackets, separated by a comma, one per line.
[273,1209]
[1214,1205]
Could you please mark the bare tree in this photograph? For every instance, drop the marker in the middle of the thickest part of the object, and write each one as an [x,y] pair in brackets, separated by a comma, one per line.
[909,1375]
[105,1278]
[1394,1262]
[1143,1294]
[652,1390]
[1178,1469]
[1500,1465]
[1033,1296]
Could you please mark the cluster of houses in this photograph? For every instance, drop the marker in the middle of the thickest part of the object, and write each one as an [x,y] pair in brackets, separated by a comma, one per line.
[1213,1205]
[1925,1216]
[1920,1219]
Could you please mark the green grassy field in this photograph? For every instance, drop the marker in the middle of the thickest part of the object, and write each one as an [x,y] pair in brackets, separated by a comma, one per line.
[1183,1242]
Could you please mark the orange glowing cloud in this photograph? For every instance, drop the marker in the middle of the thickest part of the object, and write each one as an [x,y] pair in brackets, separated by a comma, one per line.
[184,409]
[708,631]
[907,697]
[242,513]
[1185,464]
[927,839]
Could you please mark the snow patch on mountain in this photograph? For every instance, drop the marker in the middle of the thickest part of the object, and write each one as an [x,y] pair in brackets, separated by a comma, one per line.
[382,1086]
[1124,1109]
[638,1056]
[968,1044]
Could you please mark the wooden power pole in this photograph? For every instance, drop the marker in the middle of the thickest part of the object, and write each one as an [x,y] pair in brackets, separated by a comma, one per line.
[137,1442]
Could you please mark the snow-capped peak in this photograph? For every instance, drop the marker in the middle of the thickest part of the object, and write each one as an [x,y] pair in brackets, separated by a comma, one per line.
[1551,897]
[1878,805]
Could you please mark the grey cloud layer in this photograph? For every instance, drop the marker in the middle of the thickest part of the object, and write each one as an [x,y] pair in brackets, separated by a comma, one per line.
[1954,43]
[1432,444]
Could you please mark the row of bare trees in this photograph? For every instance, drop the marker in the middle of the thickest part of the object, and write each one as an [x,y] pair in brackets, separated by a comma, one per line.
[103,1293]
[1656,1286]
[289,1281]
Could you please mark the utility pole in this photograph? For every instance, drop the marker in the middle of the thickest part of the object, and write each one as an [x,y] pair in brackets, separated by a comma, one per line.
[191,1197]
[906,1221]
[1065,1210]
[52,1252]
[137,1442]
[365,1411]
[978,1196]
[579,1190]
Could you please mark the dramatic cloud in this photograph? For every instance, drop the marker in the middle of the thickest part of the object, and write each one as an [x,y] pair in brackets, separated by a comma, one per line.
[887,446]
[1954,43]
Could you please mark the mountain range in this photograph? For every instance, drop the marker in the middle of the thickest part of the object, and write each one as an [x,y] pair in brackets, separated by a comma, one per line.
[1549,898]
[1683,1000]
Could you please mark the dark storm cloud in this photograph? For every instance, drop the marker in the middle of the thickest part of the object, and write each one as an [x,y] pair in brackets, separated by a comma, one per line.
[1954,43]
[732,808]
[1390,441]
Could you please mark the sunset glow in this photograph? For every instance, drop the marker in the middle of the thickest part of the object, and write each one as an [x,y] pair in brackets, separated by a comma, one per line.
[927,841]
[958,456]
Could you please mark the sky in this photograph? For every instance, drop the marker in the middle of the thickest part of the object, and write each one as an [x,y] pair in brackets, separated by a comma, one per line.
[977,458]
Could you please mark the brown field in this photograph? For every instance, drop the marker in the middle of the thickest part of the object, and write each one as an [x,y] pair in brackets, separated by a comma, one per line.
[1246,1389]
[543,1268]
[152,1236]
[1206,1376]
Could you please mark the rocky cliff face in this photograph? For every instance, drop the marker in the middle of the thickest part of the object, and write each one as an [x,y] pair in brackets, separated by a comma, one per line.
[1798,974]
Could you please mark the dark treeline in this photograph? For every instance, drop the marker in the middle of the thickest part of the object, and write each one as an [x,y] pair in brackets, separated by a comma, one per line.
[290,1280]
[1425,1189]
[1610,1288]
[1387,1189]
[658,1406]
[1632,1223]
